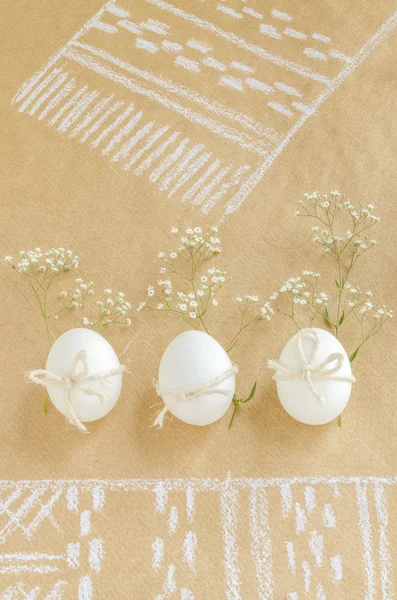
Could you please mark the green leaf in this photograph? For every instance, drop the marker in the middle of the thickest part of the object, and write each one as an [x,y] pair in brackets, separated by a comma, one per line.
[340,421]
[342,318]
[353,356]
[251,394]
[337,284]
[326,317]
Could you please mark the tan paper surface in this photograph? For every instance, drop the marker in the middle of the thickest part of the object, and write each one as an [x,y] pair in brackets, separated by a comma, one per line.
[271,509]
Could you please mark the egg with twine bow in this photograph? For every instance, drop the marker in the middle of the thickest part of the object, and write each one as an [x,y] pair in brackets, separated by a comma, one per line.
[83,376]
[196,379]
[313,376]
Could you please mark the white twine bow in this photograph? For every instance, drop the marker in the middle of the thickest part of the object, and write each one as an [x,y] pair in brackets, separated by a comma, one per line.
[308,372]
[191,393]
[75,380]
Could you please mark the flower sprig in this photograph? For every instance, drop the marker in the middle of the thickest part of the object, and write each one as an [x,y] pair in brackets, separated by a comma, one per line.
[343,233]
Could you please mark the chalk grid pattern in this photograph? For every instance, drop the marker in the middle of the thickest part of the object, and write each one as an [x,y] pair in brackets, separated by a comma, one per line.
[125,53]
[311,523]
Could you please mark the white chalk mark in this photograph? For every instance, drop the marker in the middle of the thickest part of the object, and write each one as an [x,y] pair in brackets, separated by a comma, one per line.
[58,82]
[45,513]
[252,12]
[187,63]
[173,520]
[246,141]
[283,16]
[156,153]
[284,110]
[316,546]
[307,576]
[186,594]
[57,592]
[291,557]
[169,160]
[202,47]
[130,26]
[301,519]
[229,11]
[124,131]
[158,554]
[204,193]
[191,193]
[68,105]
[295,34]
[85,523]
[288,89]
[77,111]
[190,550]
[340,56]
[165,184]
[320,594]
[270,31]
[113,126]
[292,596]
[15,521]
[286,499]
[191,170]
[102,119]
[142,44]
[321,38]
[171,46]
[16,569]
[37,91]
[310,498]
[106,27]
[229,184]
[127,147]
[335,489]
[117,10]
[229,505]
[152,139]
[190,495]
[255,84]
[156,27]
[239,41]
[233,82]
[27,557]
[364,522]
[98,498]
[336,568]
[161,498]
[72,498]
[169,587]
[85,588]
[214,64]
[329,518]
[95,554]
[386,577]
[316,54]
[99,107]
[241,67]
[61,95]
[73,555]
[302,107]
[261,546]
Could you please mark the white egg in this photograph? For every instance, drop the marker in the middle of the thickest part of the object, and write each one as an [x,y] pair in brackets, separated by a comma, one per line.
[192,359]
[296,396]
[101,357]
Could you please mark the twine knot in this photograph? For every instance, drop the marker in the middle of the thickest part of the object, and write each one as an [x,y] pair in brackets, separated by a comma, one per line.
[328,369]
[191,393]
[78,378]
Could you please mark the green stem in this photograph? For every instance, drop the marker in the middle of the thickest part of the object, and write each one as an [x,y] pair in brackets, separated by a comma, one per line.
[236,407]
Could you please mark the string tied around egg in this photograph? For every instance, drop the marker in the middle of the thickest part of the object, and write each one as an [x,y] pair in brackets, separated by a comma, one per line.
[78,378]
[192,393]
[328,369]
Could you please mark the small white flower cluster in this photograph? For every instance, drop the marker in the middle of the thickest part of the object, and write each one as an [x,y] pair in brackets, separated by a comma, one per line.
[35,262]
[248,303]
[298,297]
[111,310]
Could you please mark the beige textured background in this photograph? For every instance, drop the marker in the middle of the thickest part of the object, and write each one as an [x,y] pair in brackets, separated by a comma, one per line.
[55,192]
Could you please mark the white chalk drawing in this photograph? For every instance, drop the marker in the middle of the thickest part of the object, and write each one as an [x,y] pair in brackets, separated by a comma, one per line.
[105,85]
[294,519]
